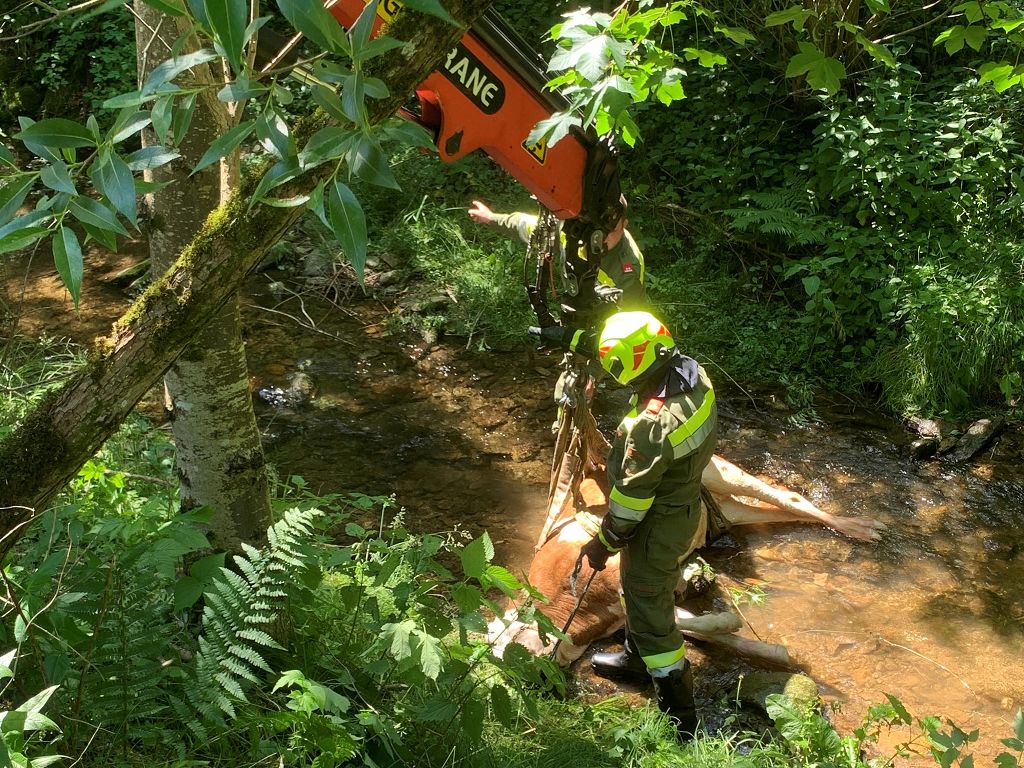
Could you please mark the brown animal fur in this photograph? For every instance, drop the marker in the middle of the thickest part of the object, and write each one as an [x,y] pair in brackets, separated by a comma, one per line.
[742,498]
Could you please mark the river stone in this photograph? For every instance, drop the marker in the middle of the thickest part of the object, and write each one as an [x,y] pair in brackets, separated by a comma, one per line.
[977,438]
[758,686]
[923,448]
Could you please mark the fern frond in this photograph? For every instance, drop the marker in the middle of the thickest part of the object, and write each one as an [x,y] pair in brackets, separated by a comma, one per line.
[240,608]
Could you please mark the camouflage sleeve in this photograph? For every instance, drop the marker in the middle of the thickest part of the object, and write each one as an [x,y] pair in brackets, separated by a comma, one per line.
[515,225]
[646,456]
[622,268]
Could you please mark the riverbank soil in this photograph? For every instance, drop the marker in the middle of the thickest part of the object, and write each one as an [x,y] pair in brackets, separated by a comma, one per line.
[932,614]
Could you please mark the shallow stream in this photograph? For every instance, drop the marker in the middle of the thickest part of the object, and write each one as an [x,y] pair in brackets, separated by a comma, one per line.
[933,614]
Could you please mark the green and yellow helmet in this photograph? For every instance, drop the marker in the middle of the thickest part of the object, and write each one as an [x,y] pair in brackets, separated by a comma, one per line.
[630,344]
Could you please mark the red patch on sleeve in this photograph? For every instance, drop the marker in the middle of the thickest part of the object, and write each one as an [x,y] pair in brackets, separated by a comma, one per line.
[627,268]
[654,405]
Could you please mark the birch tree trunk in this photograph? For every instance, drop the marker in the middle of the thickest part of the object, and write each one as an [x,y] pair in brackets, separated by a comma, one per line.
[218,454]
[40,456]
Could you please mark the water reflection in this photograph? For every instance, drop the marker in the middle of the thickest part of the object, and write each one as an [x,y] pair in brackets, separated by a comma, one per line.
[933,613]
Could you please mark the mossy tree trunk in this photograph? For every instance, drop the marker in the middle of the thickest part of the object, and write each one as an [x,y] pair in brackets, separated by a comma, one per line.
[40,456]
[218,454]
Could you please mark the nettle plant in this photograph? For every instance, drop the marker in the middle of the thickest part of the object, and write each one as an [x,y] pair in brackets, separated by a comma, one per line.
[603,63]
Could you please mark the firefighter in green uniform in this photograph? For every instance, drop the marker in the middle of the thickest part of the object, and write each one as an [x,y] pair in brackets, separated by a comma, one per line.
[660,450]
[617,281]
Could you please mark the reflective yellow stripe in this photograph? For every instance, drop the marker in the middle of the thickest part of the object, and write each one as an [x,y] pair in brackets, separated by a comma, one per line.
[666,659]
[629,502]
[699,421]
[575,340]
[608,546]
[604,279]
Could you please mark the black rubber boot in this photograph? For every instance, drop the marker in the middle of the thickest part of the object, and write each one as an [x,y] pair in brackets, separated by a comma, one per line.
[621,664]
[675,698]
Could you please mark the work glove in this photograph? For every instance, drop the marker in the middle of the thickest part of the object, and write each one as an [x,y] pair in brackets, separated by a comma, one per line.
[604,544]
[597,553]
[551,336]
[563,337]
[607,293]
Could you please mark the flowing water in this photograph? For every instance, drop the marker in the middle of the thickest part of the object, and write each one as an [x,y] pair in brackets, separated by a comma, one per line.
[933,613]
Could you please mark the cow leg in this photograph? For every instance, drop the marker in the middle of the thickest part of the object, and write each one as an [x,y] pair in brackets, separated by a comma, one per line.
[727,481]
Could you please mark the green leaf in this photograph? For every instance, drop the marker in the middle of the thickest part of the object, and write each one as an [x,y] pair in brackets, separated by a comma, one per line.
[13,194]
[899,709]
[67,256]
[102,236]
[279,173]
[228,20]
[796,15]
[170,7]
[128,123]
[353,100]
[6,156]
[170,69]
[432,7]
[241,89]
[975,37]
[359,34]
[113,180]
[56,177]
[704,57]
[429,654]
[148,158]
[285,202]
[878,6]
[738,35]
[183,117]
[187,590]
[225,144]
[272,131]
[822,72]
[438,708]
[28,221]
[20,238]
[501,705]
[553,129]
[811,284]
[476,555]
[348,224]
[329,101]
[369,163]
[328,143]
[33,146]
[473,715]
[94,213]
[377,47]
[314,21]
[877,51]
[399,634]
[57,132]
[953,39]
[503,579]
[161,114]
[208,567]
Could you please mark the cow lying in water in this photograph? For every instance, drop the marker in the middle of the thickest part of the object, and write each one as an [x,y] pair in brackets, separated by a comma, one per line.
[742,499]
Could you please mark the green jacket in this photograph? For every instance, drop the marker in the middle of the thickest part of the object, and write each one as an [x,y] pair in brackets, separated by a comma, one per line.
[659,453]
[621,267]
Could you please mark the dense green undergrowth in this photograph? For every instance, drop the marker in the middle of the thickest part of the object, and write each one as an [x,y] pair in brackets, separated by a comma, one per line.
[347,640]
